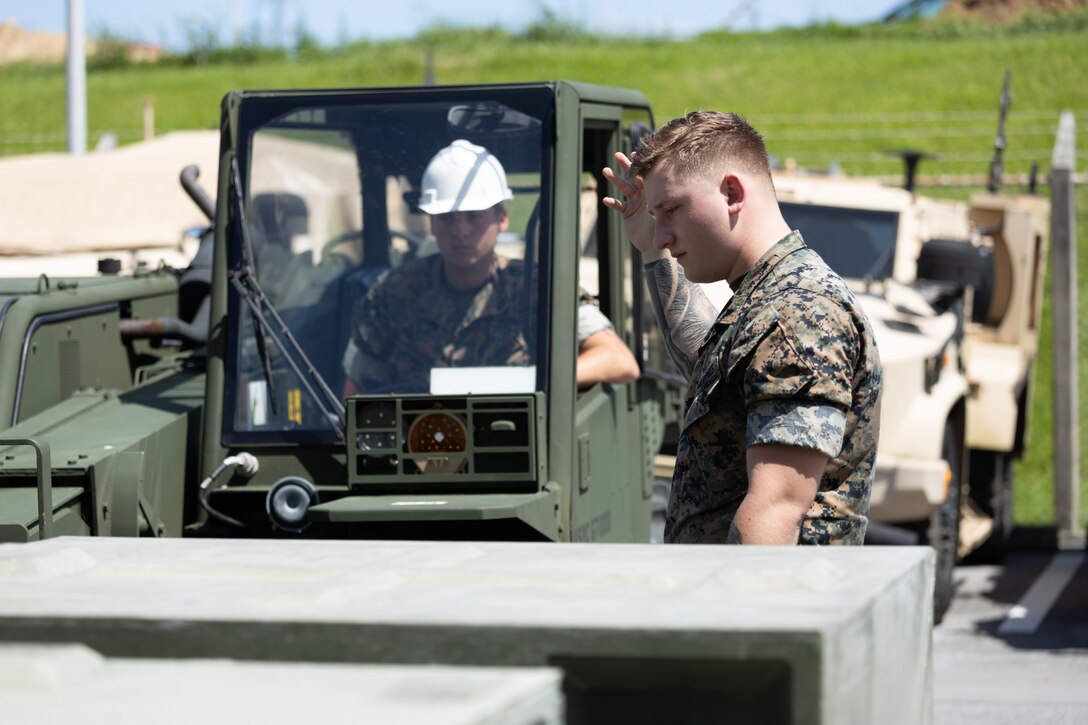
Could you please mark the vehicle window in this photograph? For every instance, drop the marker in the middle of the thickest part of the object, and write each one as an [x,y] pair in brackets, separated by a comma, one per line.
[588,259]
[364,278]
[305,213]
[856,243]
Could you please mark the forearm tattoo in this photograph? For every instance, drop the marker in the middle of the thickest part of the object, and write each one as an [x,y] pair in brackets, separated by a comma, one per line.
[683,312]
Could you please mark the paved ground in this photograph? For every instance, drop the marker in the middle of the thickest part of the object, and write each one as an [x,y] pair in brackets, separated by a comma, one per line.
[985,671]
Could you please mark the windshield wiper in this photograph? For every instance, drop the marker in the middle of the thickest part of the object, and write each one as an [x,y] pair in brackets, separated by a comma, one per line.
[879,267]
[244,279]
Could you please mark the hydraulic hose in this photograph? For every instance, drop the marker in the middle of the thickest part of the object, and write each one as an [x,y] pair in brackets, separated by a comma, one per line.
[156,328]
[247,466]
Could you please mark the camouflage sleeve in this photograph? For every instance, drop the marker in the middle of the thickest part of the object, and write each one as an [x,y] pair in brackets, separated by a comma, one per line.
[363,360]
[797,379]
[805,425]
[683,312]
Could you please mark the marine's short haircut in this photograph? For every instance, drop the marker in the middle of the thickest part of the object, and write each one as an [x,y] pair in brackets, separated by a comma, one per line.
[701,142]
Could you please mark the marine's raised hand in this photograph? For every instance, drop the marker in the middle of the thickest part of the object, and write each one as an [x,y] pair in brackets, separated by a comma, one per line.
[636,220]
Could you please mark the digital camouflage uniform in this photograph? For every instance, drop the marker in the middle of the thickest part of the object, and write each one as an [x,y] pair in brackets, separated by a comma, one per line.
[412,321]
[792,360]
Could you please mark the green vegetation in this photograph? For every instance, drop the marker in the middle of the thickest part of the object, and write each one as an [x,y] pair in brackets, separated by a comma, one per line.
[829,95]
[1034,493]
[797,85]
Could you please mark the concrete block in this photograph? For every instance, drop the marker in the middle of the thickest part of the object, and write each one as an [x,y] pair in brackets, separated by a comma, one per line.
[643,633]
[70,683]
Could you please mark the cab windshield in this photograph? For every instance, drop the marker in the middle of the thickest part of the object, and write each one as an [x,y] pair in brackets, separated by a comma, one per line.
[355,269]
[856,243]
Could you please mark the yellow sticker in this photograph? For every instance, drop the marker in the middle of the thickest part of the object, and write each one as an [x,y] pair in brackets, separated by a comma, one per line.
[294,406]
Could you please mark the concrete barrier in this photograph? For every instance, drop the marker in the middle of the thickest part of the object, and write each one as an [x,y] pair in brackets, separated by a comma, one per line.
[643,633]
[70,683]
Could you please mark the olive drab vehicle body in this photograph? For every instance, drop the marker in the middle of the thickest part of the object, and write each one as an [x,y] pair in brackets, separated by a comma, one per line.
[211,401]
[954,292]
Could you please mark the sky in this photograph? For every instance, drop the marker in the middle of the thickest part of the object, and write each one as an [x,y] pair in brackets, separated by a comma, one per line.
[174,24]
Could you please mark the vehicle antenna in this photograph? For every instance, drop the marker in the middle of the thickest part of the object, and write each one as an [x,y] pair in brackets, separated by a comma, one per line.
[996,169]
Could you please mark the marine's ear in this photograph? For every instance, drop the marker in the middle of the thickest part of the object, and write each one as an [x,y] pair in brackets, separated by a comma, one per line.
[733,189]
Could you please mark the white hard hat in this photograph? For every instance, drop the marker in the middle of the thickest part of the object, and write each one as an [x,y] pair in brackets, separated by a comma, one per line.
[463,177]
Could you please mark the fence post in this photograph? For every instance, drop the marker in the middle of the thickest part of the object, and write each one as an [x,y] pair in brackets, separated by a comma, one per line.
[149,118]
[1063,233]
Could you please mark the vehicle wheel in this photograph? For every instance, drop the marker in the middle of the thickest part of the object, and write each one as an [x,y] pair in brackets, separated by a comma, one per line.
[991,489]
[942,531]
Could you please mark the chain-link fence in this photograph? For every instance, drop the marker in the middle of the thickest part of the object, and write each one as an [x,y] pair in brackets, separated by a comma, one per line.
[957,146]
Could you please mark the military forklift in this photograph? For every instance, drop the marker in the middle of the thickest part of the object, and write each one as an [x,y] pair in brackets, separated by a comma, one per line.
[210,401]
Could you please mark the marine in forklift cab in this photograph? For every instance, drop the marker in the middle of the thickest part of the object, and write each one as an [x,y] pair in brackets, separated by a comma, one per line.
[462,307]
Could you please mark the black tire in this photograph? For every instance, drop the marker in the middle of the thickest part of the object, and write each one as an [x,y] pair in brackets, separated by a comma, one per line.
[942,531]
[991,489]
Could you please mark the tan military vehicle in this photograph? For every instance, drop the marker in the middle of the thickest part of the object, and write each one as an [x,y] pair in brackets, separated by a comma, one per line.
[954,293]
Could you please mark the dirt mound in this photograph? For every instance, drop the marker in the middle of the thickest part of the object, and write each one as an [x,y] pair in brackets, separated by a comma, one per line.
[997,11]
[125,198]
[17,44]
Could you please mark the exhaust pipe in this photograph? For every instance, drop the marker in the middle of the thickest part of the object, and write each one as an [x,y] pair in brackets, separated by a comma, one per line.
[196,192]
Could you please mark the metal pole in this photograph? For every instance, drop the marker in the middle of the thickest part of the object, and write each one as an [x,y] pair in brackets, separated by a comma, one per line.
[45,481]
[428,67]
[1063,232]
[77,80]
